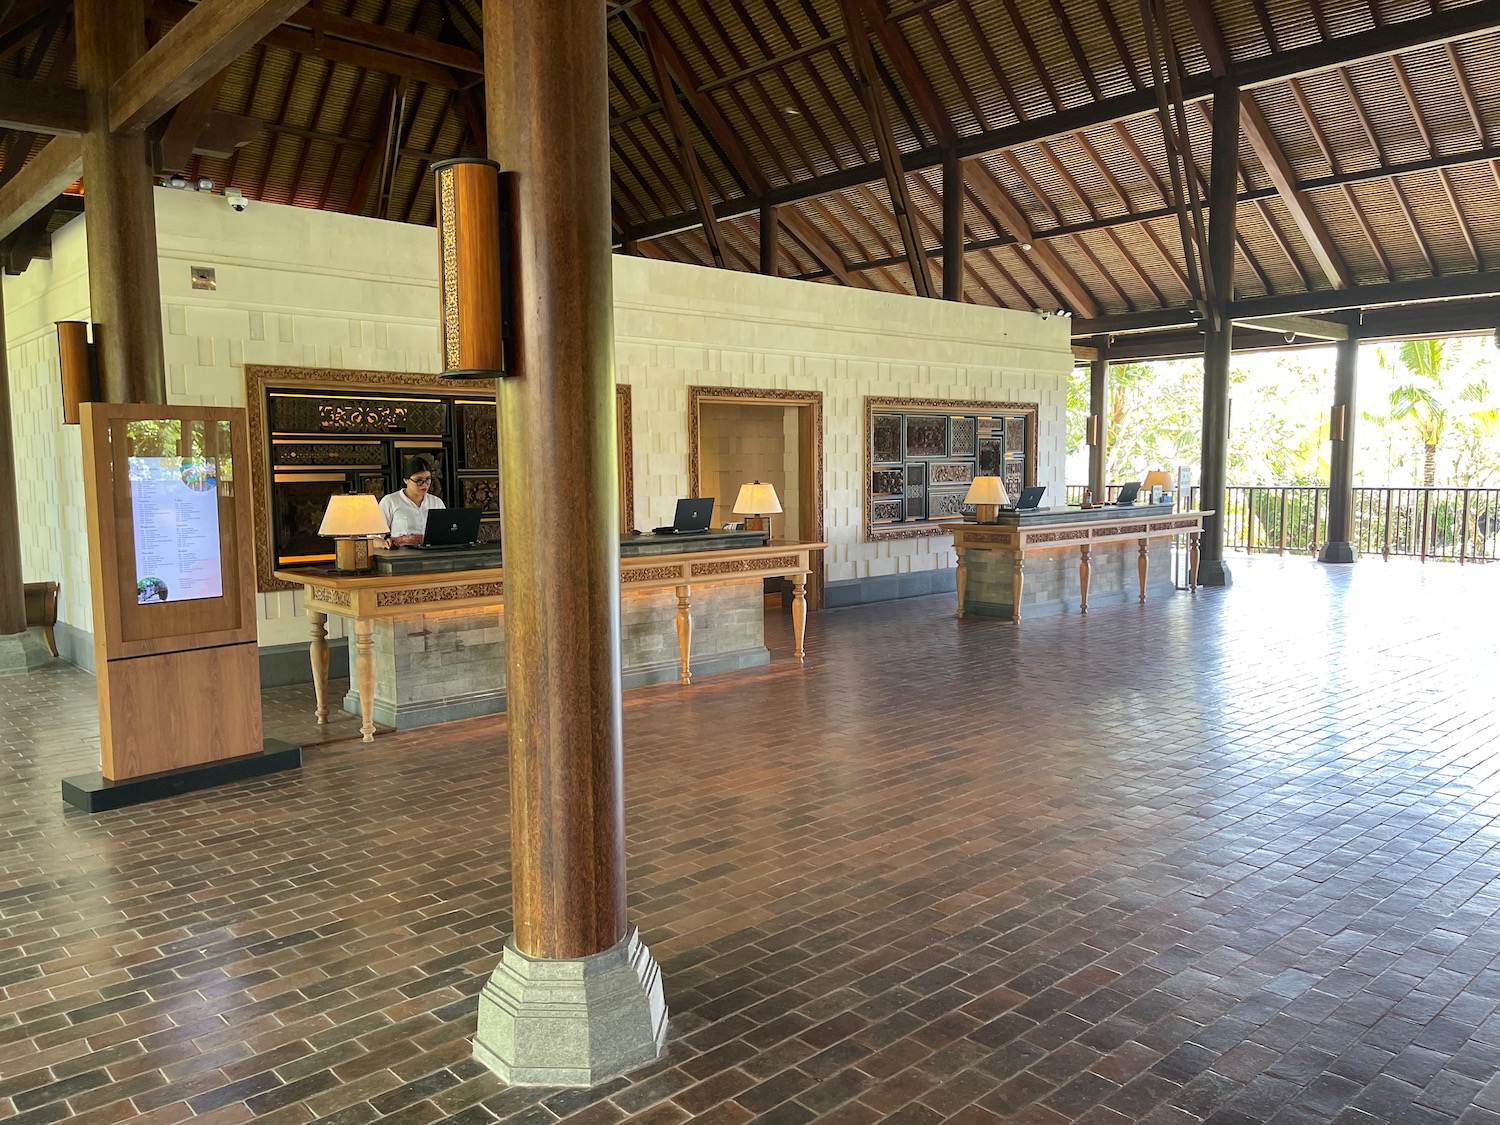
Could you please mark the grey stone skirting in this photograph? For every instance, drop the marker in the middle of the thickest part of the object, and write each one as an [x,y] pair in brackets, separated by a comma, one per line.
[889,587]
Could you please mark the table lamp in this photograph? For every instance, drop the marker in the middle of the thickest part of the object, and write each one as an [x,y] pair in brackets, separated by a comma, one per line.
[988,496]
[1157,478]
[351,519]
[758,501]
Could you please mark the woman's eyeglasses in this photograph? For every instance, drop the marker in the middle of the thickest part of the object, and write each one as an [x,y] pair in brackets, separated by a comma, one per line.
[421,482]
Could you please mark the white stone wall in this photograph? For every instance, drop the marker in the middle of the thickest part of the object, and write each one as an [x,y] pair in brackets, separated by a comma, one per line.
[678,326]
[310,288]
[741,442]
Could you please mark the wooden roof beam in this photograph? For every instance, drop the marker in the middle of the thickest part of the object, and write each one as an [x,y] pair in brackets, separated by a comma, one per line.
[206,40]
[1449,25]
[1257,130]
[39,107]
[873,97]
[55,168]
[1045,259]
[687,156]
[1312,328]
[411,65]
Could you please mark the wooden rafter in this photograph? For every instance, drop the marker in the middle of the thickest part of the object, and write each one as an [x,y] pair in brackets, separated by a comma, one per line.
[885,143]
[57,166]
[206,40]
[692,170]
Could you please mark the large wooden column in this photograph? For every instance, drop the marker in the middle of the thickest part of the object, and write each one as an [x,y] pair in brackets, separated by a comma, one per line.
[953,227]
[1218,341]
[1097,431]
[124,286]
[12,592]
[546,87]
[1339,546]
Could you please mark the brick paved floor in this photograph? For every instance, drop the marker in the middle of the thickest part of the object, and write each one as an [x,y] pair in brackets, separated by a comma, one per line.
[1226,859]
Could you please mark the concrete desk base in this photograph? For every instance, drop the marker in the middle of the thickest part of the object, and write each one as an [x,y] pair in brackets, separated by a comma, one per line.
[1025,566]
[429,648]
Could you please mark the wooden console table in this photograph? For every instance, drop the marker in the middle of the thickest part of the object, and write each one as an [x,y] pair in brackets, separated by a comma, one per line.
[364,599]
[1020,535]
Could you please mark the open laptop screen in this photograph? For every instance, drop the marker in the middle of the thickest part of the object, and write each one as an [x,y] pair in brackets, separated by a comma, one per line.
[693,514]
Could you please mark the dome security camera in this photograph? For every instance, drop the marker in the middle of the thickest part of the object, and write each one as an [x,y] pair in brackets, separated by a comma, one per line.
[235,198]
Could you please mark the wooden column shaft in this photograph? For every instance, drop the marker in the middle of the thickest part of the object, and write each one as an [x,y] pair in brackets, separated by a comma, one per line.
[1218,342]
[1341,453]
[124,283]
[547,93]
[770,241]
[12,588]
[953,227]
[1098,404]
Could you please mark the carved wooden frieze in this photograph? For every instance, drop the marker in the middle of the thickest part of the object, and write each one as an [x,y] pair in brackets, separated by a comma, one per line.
[1056,536]
[433,594]
[742,566]
[329,596]
[653,574]
[1127,529]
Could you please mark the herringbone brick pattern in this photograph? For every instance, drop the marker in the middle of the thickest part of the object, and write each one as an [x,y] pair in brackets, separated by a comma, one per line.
[1226,858]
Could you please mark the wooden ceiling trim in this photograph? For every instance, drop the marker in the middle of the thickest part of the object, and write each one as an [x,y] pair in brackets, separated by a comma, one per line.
[885,143]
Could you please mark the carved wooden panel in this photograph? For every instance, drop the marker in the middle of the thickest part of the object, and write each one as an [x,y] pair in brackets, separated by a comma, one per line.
[942,504]
[888,482]
[481,433]
[916,491]
[479,492]
[952,472]
[885,438]
[926,435]
[884,510]
[965,434]
[325,414]
[314,454]
[300,505]
[991,451]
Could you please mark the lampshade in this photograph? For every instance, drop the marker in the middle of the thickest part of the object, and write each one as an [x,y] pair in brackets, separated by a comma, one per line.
[756,499]
[1157,477]
[987,490]
[357,514]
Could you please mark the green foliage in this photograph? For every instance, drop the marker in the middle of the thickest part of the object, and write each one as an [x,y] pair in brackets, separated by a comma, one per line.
[1431,416]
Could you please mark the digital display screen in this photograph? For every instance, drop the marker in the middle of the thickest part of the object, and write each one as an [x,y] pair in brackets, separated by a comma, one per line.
[174,503]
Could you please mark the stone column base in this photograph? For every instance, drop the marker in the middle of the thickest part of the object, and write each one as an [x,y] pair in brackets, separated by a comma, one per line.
[21,652]
[545,1022]
[1337,553]
[1213,572]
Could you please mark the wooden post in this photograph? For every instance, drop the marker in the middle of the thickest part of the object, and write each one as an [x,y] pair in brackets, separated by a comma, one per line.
[546,86]
[770,231]
[1218,342]
[124,284]
[549,124]
[953,227]
[12,588]
[1098,402]
[1338,547]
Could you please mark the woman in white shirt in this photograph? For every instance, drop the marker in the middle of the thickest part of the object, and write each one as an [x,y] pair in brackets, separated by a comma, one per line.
[406,511]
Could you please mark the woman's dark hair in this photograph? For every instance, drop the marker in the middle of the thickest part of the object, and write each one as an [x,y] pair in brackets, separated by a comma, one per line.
[418,464]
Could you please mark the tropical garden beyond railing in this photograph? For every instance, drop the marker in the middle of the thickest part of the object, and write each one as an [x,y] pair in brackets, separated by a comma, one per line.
[1449,524]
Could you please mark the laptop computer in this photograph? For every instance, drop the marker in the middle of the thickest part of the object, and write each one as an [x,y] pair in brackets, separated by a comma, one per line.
[451,527]
[1031,497]
[693,516]
[1128,492]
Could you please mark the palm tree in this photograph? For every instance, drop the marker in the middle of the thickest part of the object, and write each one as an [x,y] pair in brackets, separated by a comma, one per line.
[1420,403]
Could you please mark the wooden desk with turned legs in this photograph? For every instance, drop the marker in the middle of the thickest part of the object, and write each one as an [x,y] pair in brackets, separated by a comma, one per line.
[659,593]
[993,559]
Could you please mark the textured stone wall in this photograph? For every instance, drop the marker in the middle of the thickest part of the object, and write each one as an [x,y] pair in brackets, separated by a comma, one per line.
[309,288]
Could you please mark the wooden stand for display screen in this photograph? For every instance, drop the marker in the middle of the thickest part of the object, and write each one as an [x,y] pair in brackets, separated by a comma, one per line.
[178,680]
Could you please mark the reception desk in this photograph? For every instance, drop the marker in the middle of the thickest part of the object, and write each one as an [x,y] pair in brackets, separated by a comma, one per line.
[429,646]
[1023,564]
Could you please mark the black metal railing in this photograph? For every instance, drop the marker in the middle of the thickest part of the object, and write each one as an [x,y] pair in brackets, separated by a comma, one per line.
[1450,524]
